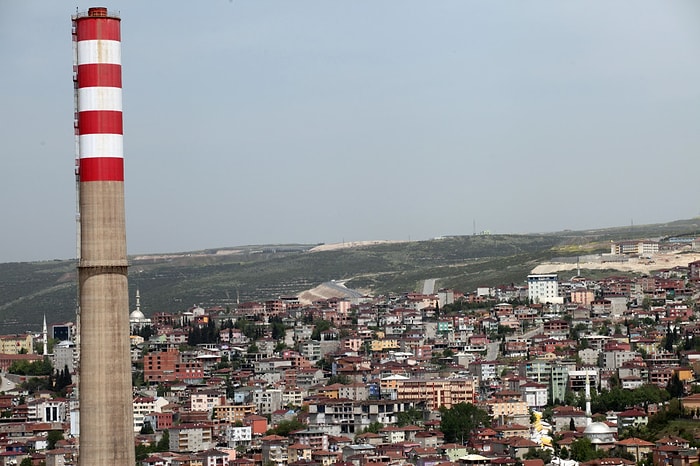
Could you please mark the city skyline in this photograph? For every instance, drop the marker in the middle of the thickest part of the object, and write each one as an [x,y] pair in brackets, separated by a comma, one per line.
[307,122]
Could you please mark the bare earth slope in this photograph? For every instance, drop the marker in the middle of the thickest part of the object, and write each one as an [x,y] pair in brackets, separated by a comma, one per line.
[637,265]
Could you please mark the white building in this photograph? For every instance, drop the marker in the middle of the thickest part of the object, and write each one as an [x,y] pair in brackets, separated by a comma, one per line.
[146,405]
[543,288]
[47,410]
[236,436]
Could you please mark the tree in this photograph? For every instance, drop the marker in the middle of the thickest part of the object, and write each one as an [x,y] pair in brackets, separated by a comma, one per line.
[539,453]
[164,442]
[461,420]
[285,427]
[278,330]
[52,438]
[341,379]
[408,417]
[374,427]
[582,450]
[147,429]
[319,327]
[675,386]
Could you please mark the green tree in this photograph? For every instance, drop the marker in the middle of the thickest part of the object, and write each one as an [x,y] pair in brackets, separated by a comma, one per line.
[142,452]
[164,442]
[278,331]
[319,327]
[539,453]
[410,416]
[582,450]
[341,379]
[459,422]
[147,429]
[285,427]
[675,386]
[374,427]
[52,438]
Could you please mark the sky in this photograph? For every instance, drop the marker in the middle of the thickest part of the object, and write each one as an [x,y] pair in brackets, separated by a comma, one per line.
[316,121]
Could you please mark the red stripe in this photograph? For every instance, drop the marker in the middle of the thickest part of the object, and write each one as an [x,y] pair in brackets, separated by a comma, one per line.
[100,75]
[100,122]
[98,29]
[102,169]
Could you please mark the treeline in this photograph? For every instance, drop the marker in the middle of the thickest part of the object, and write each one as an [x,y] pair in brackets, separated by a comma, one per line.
[252,329]
[41,376]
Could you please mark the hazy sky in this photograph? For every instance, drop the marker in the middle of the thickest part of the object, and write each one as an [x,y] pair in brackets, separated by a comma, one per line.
[255,121]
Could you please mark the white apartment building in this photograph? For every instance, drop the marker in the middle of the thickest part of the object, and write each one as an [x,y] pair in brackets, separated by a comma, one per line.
[146,405]
[543,288]
[236,436]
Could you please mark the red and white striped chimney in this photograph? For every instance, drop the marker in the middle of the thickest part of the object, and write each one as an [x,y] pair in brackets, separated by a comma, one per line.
[106,433]
[99,82]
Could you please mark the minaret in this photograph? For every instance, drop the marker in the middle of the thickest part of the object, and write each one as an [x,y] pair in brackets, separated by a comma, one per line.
[589,414]
[104,384]
[45,338]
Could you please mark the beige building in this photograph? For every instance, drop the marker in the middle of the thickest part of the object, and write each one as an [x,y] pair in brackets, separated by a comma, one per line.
[437,392]
[190,438]
[16,344]
[234,413]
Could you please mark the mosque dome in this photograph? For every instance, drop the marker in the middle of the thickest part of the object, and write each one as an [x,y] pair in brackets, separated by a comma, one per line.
[137,315]
[599,433]
[597,428]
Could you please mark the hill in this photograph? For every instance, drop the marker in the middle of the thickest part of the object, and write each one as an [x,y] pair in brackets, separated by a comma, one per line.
[174,282]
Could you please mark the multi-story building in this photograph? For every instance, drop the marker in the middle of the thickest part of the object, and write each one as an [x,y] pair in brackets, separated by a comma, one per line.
[236,436]
[536,370]
[16,344]
[267,400]
[543,288]
[47,410]
[642,248]
[560,379]
[206,400]
[316,439]
[437,392]
[310,349]
[190,438]
[65,355]
[579,378]
[535,394]
[611,360]
[274,450]
[168,366]
[234,413]
[384,344]
[143,406]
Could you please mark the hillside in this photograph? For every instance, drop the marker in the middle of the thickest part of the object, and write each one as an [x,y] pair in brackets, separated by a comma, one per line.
[173,282]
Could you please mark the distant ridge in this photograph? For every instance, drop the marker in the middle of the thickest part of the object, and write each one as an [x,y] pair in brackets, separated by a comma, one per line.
[170,282]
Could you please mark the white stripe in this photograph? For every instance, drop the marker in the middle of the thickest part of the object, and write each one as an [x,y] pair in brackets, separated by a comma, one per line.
[99,51]
[101,145]
[99,98]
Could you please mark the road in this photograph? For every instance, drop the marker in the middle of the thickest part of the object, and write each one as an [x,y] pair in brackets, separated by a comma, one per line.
[6,385]
[429,286]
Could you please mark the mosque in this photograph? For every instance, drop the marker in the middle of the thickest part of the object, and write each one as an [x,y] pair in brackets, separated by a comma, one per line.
[137,320]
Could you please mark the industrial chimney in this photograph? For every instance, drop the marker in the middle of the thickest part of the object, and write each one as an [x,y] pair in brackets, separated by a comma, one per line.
[105,397]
